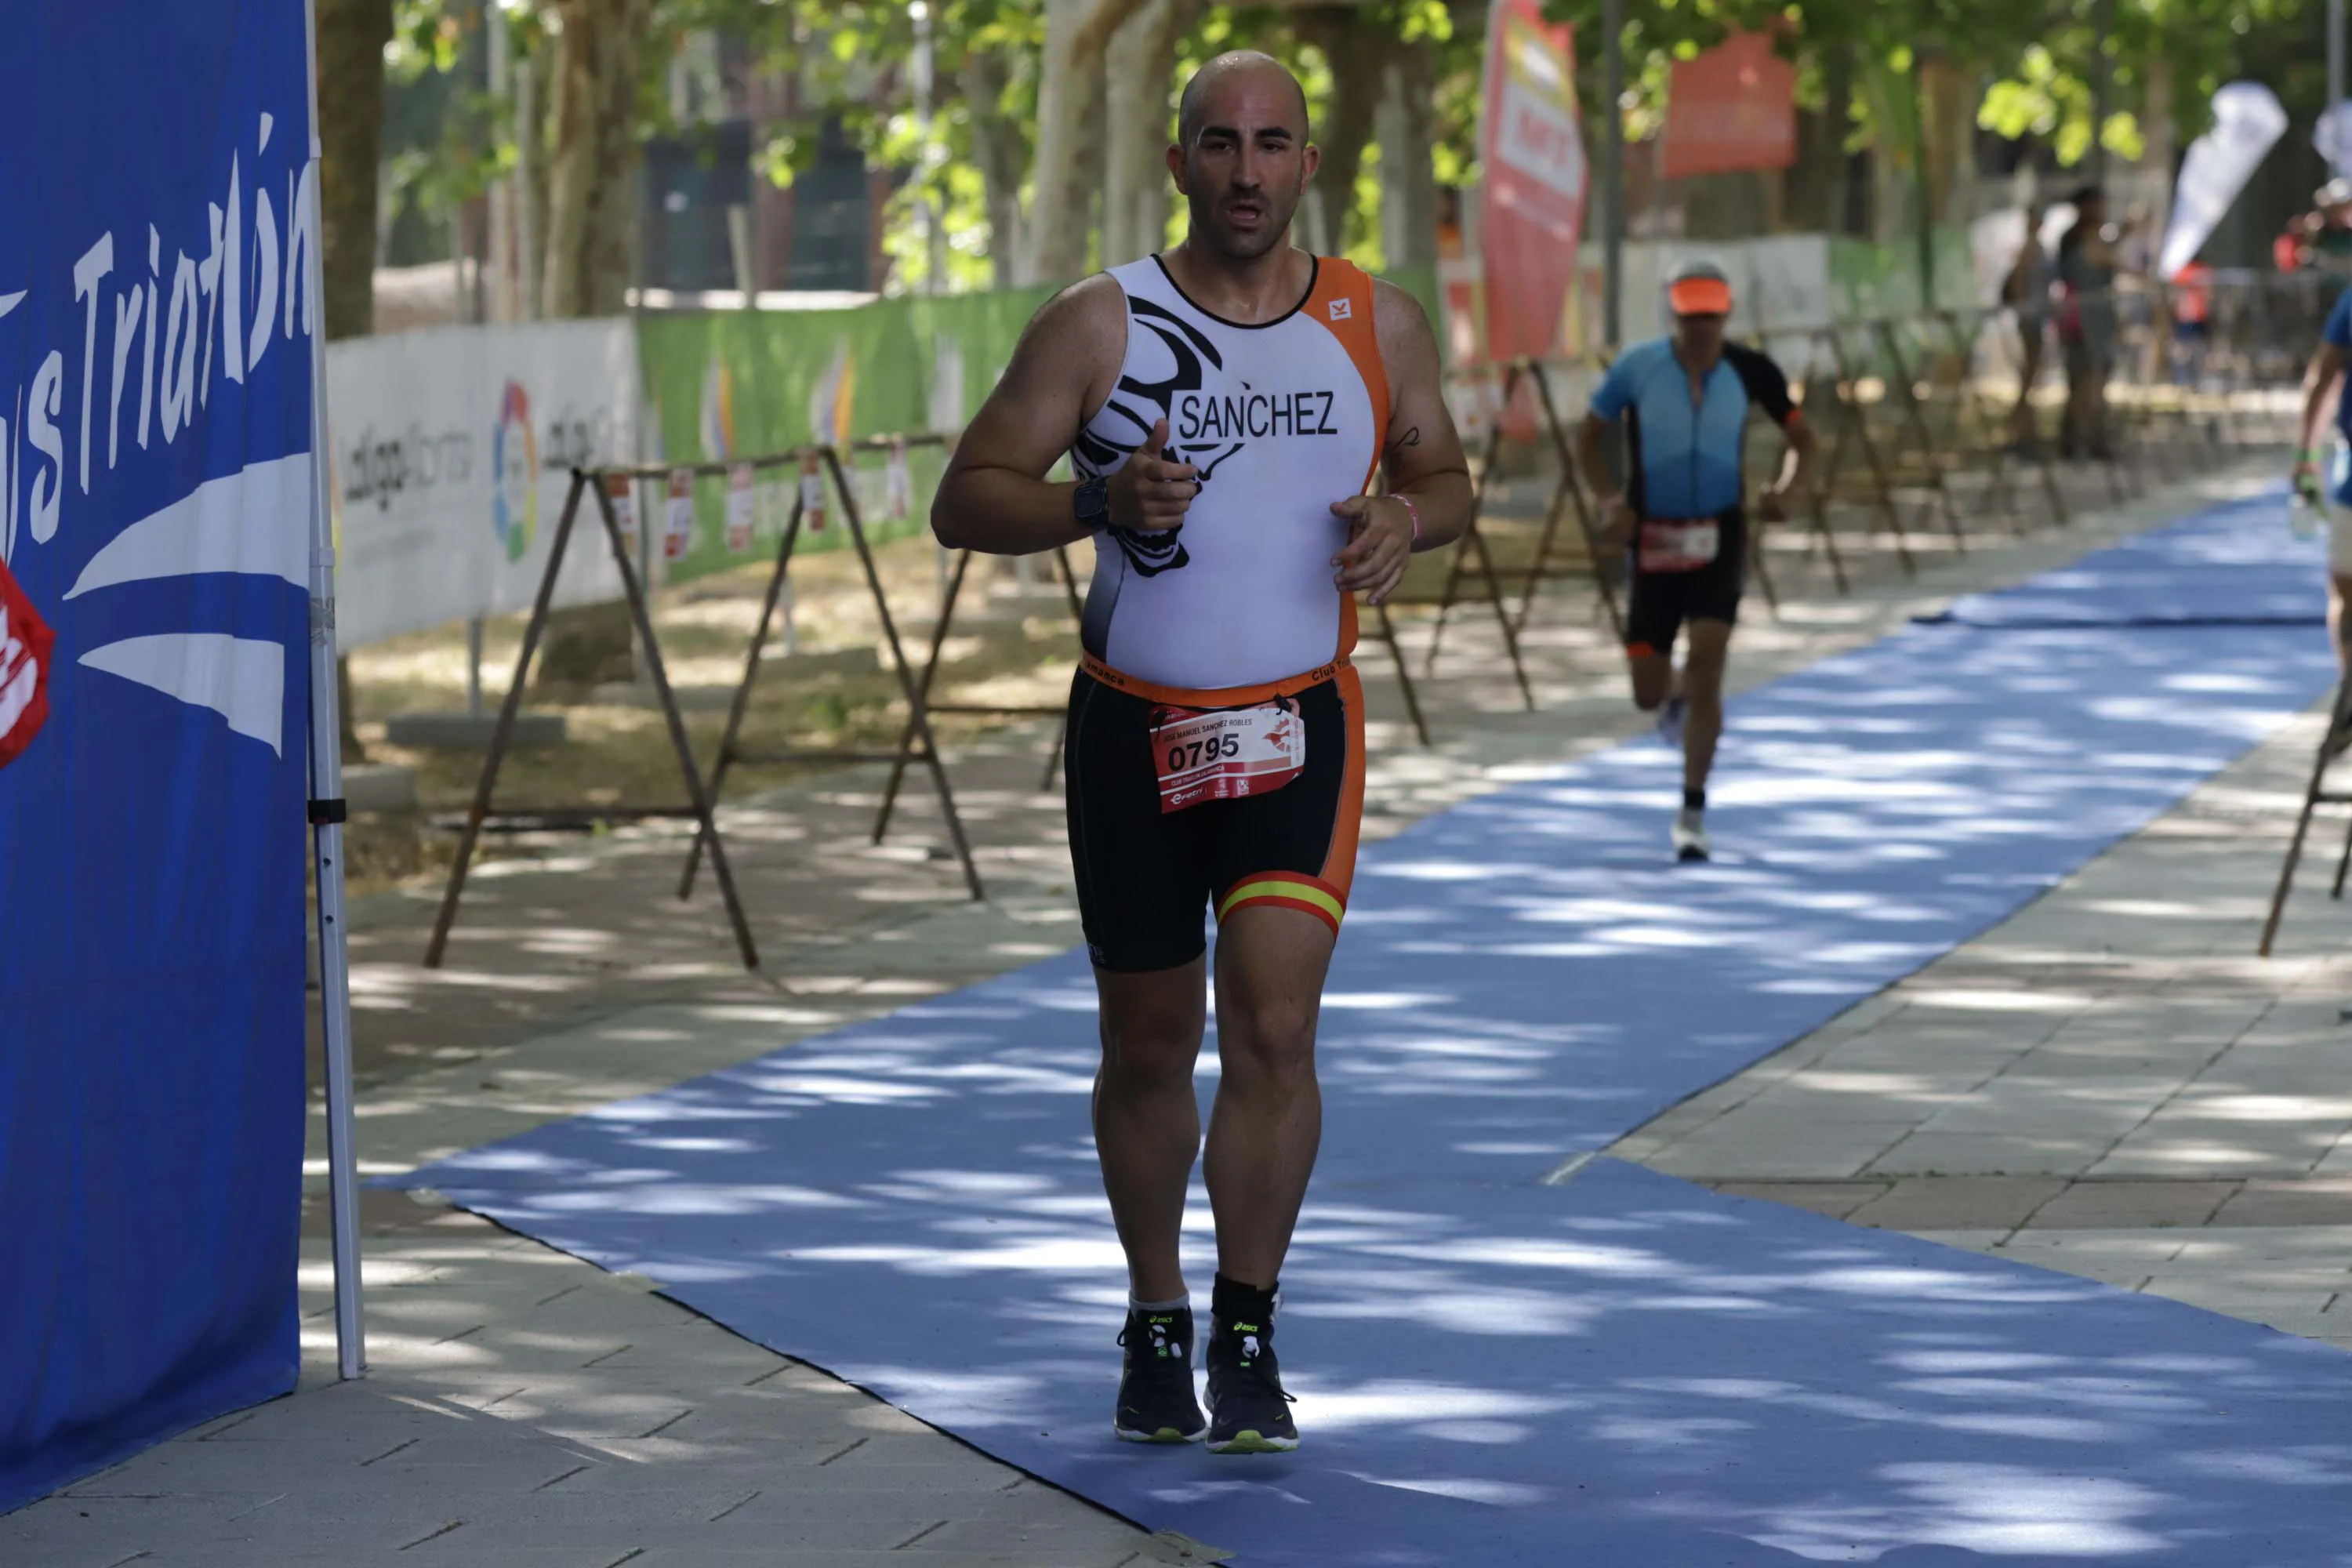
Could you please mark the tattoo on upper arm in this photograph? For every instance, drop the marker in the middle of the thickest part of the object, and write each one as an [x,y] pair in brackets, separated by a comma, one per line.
[1410,438]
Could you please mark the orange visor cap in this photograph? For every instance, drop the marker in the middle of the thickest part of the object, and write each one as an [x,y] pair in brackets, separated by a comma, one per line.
[1700,297]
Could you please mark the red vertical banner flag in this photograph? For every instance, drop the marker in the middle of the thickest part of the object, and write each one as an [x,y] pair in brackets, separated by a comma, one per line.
[1732,106]
[1463,295]
[1531,205]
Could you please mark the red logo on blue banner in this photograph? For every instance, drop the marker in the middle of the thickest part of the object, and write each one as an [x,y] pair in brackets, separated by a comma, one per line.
[25,641]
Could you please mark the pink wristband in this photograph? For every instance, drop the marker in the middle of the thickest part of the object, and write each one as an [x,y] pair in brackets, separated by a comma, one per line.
[1411,511]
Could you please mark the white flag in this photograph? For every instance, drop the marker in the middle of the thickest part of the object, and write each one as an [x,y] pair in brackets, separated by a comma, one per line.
[2247,119]
[2331,137]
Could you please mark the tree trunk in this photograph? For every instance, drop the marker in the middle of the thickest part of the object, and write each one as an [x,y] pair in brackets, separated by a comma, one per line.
[2156,157]
[1069,78]
[530,181]
[2162,148]
[591,216]
[1949,93]
[1358,55]
[1892,205]
[1407,129]
[1093,171]
[1001,152]
[352,35]
[591,189]
[1816,200]
[1140,67]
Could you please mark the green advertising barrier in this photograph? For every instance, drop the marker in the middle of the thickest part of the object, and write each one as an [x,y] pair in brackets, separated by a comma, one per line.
[1871,283]
[719,385]
[723,385]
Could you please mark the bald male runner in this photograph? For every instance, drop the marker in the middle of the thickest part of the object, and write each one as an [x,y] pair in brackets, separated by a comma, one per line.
[1226,408]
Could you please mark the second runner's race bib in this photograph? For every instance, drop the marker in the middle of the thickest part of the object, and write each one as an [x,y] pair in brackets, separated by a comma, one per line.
[1679,546]
[1226,754]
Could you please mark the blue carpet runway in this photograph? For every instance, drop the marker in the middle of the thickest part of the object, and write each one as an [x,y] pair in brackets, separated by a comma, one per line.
[2234,566]
[1624,1369]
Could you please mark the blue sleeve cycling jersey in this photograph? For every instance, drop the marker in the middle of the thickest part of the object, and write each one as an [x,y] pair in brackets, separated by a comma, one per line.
[1683,455]
[2338,329]
[2338,332]
[1615,393]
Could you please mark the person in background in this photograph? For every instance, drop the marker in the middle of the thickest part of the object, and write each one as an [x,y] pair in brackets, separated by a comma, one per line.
[2331,489]
[2330,246]
[2087,266]
[2286,250]
[2026,290]
[2192,320]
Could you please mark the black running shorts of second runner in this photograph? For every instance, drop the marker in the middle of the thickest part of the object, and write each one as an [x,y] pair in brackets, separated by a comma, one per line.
[1146,877]
[1659,603]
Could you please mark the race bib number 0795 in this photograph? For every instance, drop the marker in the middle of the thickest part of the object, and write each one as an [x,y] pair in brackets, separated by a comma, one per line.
[1226,754]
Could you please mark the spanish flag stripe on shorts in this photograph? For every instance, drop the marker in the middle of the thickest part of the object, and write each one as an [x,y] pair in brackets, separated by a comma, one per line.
[1287,889]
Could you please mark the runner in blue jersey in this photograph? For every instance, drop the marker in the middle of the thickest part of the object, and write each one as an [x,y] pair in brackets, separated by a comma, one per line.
[1676,410]
[2332,489]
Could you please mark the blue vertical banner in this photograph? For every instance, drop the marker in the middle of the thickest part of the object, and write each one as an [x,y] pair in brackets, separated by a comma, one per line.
[155,386]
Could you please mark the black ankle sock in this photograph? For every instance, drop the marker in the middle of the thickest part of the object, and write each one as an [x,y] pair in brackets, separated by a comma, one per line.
[1234,1302]
[1693,800]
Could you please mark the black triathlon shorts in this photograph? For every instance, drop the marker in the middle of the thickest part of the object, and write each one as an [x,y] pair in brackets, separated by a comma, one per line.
[1147,876]
[1660,602]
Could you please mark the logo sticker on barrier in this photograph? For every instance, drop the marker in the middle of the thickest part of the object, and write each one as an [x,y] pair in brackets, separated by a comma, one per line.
[898,484]
[811,494]
[623,494]
[24,643]
[775,508]
[678,517]
[514,472]
[742,508]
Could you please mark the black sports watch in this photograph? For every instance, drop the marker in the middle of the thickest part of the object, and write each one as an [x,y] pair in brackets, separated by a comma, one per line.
[1090,502]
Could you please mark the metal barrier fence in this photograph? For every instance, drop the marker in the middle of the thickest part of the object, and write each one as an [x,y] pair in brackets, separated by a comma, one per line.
[1933,430]
[609,494]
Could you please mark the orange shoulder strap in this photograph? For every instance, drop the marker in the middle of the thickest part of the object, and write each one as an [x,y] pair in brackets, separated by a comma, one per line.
[1342,301]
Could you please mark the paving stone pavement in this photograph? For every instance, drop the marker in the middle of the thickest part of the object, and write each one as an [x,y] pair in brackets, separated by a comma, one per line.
[2109,1084]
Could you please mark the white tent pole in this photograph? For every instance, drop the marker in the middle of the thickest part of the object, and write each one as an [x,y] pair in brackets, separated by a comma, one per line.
[2331,117]
[1612,178]
[327,809]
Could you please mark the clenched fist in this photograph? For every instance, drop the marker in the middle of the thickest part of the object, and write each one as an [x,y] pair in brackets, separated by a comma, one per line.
[1150,494]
